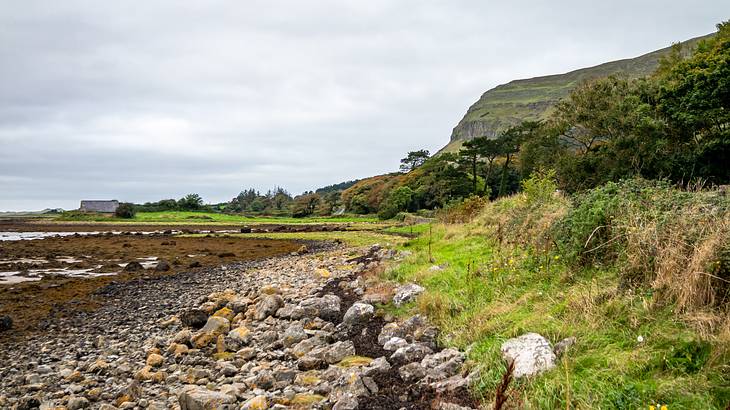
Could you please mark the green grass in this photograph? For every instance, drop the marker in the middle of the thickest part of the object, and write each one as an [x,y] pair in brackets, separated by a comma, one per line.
[408,229]
[177,217]
[487,293]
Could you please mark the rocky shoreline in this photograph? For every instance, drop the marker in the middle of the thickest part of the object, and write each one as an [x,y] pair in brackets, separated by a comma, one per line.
[299,331]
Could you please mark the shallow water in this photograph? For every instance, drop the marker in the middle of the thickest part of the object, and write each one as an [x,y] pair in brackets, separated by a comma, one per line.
[9,278]
[29,236]
[37,274]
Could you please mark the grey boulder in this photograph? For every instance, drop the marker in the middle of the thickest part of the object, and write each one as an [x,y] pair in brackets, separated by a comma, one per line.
[531,354]
[407,293]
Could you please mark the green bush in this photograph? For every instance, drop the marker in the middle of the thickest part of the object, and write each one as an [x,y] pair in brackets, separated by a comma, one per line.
[125,210]
[540,186]
[656,235]
[359,205]
[305,205]
[398,200]
[588,223]
[464,211]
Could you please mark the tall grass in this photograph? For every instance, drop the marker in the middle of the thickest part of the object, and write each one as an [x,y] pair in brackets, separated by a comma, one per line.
[622,261]
[675,242]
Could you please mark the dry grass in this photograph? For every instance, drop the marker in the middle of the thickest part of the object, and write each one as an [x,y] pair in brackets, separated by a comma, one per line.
[520,221]
[680,255]
[676,243]
[664,337]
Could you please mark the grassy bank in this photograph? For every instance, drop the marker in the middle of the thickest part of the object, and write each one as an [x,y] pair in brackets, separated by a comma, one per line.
[638,273]
[177,217]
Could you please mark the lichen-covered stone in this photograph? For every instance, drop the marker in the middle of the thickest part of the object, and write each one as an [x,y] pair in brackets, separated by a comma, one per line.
[531,354]
[358,314]
[407,293]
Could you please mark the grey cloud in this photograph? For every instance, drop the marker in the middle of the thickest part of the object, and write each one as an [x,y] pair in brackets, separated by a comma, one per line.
[143,100]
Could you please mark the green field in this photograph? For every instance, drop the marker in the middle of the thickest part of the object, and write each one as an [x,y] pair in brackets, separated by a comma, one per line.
[207,218]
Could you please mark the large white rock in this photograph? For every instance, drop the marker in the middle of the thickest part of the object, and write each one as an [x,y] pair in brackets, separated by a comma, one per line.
[407,293]
[531,354]
[358,314]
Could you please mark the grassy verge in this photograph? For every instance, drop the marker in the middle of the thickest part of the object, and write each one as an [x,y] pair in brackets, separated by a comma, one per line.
[177,217]
[638,342]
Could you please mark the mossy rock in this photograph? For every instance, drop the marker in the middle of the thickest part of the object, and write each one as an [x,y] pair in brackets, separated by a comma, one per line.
[269,290]
[227,356]
[303,399]
[225,313]
[257,403]
[309,378]
[355,361]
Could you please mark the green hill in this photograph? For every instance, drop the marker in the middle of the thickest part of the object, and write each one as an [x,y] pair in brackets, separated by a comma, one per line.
[532,99]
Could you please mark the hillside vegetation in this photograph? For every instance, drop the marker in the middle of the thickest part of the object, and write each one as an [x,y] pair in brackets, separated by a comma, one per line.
[673,125]
[532,99]
[638,272]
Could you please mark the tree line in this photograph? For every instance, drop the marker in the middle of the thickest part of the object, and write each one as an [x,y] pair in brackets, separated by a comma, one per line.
[673,125]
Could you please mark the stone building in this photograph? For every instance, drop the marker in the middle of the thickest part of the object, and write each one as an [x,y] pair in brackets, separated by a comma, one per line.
[99,206]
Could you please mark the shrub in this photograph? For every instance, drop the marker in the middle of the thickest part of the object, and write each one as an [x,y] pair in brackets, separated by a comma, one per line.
[125,210]
[673,241]
[464,211]
[588,223]
[305,205]
[530,217]
[190,202]
[540,187]
[398,200]
[359,205]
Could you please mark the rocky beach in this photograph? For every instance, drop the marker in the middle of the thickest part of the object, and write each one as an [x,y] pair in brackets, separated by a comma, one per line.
[303,330]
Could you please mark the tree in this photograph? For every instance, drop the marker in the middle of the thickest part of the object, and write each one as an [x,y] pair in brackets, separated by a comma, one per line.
[474,153]
[359,204]
[280,198]
[694,97]
[330,202]
[413,160]
[244,200]
[438,182]
[596,111]
[258,204]
[509,144]
[190,202]
[305,204]
[490,150]
[125,210]
[543,151]
[469,155]
[399,200]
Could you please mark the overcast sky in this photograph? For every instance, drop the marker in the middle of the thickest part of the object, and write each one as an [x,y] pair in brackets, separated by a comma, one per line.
[143,100]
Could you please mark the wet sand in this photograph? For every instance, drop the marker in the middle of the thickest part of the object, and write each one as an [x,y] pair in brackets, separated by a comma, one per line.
[30,303]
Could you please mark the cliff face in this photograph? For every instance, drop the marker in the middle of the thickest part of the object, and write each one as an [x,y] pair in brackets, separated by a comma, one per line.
[531,99]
